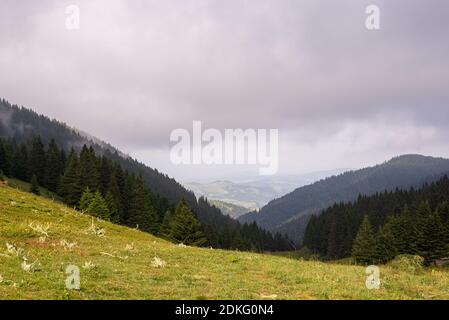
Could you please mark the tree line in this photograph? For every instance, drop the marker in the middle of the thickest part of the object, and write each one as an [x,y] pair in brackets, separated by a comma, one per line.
[100,186]
[377,228]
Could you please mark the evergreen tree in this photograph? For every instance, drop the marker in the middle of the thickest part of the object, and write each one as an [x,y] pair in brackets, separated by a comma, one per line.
[113,199]
[34,185]
[140,212]
[98,207]
[386,249]
[88,169]
[5,157]
[20,163]
[185,228]
[364,249]
[85,200]
[70,187]
[37,160]
[431,238]
[2,175]
[54,167]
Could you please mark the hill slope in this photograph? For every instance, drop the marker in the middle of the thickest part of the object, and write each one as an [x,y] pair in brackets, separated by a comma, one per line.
[118,265]
[291,212]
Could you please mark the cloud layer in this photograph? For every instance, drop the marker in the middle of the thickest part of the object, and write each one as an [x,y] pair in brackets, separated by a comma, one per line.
[341,96]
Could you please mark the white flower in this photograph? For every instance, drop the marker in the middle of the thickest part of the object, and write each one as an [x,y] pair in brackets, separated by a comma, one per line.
[67,245]
[88,265]
[158,262]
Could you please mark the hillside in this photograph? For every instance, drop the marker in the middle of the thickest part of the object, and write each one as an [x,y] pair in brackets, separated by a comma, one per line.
[120,264]
[291,212]
[229,209]
[32,144]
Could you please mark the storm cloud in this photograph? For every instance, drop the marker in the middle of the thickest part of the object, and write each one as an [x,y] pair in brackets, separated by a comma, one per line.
[340,95]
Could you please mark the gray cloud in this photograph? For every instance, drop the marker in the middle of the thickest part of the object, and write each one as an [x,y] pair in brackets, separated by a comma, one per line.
[138,69]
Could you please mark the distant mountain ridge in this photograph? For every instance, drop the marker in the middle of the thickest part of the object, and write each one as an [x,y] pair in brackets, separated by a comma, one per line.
[254,193]
[290,213]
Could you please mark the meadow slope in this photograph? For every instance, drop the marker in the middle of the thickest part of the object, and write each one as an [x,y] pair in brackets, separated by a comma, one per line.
[120,264]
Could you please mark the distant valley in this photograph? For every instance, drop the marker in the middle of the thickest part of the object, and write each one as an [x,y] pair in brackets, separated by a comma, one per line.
[237,198]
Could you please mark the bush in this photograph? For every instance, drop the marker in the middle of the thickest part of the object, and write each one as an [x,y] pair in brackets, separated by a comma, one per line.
[407,262]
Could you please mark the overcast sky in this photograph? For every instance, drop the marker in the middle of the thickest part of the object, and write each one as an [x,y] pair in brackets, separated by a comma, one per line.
[340,95]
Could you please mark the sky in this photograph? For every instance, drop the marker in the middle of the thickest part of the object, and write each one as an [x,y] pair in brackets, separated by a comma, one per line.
[340,95]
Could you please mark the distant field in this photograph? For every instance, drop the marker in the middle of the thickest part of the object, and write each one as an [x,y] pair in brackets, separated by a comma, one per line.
[121,264]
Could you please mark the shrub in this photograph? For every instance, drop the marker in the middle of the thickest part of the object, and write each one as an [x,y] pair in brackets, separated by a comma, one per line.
[407,262]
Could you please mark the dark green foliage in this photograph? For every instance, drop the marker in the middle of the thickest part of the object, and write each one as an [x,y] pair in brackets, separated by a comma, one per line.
[98,206]
[364,249]
[84,167]
[401,172]
[2,175]
[85,200]
[185,228]
[407,222]
[431,240]
[70,188]
[386,248]
[141,213]
[20,163]
[37,160]
[34,185]
[54,167]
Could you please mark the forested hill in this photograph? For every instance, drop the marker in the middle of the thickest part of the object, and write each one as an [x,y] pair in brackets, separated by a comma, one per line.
[26,133]
[290,214]
[22,125]
[396,222]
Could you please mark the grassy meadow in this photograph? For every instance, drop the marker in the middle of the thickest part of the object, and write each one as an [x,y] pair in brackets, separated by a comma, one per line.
[40,238]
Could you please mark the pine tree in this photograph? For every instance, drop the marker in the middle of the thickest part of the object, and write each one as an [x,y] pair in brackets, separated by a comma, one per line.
[34,185]
[70,188]
[54,167]
[141,212]
[20,164]
[185,228]
[98,207]
[386,249]
[88,168]
[37,160]
[5,157]
[364,249]
[113,198]
[431,238]
[85,200]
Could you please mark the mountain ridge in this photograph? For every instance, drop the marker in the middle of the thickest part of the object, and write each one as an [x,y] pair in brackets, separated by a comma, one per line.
[289,214]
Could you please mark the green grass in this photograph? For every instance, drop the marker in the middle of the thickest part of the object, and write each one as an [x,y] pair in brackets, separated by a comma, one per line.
[123,264]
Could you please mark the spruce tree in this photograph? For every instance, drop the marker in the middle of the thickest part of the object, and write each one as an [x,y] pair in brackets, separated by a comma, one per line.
[70,188]
[386,249]
[37,160]
[364,248]
[141,212]
[5,157]
[88,168]
[54,167]
[85,200]
[431,238]
[34,185]
[185,228]
[98,207]
[20,164]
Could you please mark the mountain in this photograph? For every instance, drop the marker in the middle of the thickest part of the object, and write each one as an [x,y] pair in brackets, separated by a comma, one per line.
[253,194]
[414,221]
[290,213]
[126,263]
[229,209]
[18,126]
